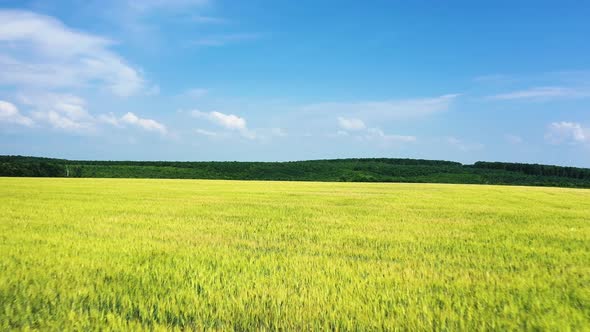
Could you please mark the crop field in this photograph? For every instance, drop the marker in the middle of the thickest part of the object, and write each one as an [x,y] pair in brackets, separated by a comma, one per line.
[120,254]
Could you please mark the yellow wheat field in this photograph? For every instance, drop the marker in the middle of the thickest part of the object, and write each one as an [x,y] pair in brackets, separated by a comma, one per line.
[105,254]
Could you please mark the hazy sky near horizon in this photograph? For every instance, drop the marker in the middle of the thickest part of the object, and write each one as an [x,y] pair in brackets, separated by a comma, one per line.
[292,80]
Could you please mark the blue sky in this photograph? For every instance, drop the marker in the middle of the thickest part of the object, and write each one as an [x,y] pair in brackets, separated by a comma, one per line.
[292,80]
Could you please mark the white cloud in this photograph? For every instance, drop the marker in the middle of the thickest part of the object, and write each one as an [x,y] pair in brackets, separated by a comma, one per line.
[109,119]
[389,109]
[376,133]
[39,51]
[71,106]
[208,133]
[567,132]
[9,113]
[60,121]
[228,121]
[351,123]
[68,112]
[132,119]
[146,124]
[61,111]
[543,94]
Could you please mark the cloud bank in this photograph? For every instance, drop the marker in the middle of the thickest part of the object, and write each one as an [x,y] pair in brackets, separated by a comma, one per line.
[9,113]
[39,51]
[351,123]
[567,132]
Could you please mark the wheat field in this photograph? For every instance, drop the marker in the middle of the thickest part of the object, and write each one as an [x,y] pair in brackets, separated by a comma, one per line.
[120,254]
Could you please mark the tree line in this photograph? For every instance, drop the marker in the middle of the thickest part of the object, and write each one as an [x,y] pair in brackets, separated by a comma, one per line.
[537,169]
[343,170]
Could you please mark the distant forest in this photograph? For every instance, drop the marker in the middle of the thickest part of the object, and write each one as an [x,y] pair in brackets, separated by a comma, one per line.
[343,170]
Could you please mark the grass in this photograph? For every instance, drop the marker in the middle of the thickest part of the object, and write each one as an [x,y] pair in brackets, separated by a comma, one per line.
[96,254]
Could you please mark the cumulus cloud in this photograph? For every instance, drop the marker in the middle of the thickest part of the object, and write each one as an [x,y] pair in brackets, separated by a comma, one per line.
[60,121]
[146,124]
[234,123]
[567,132]
[351,123]
[61,111]
[39,51]
[9,113]
[69,113]
[70,105]
[132,119]
[229,121]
